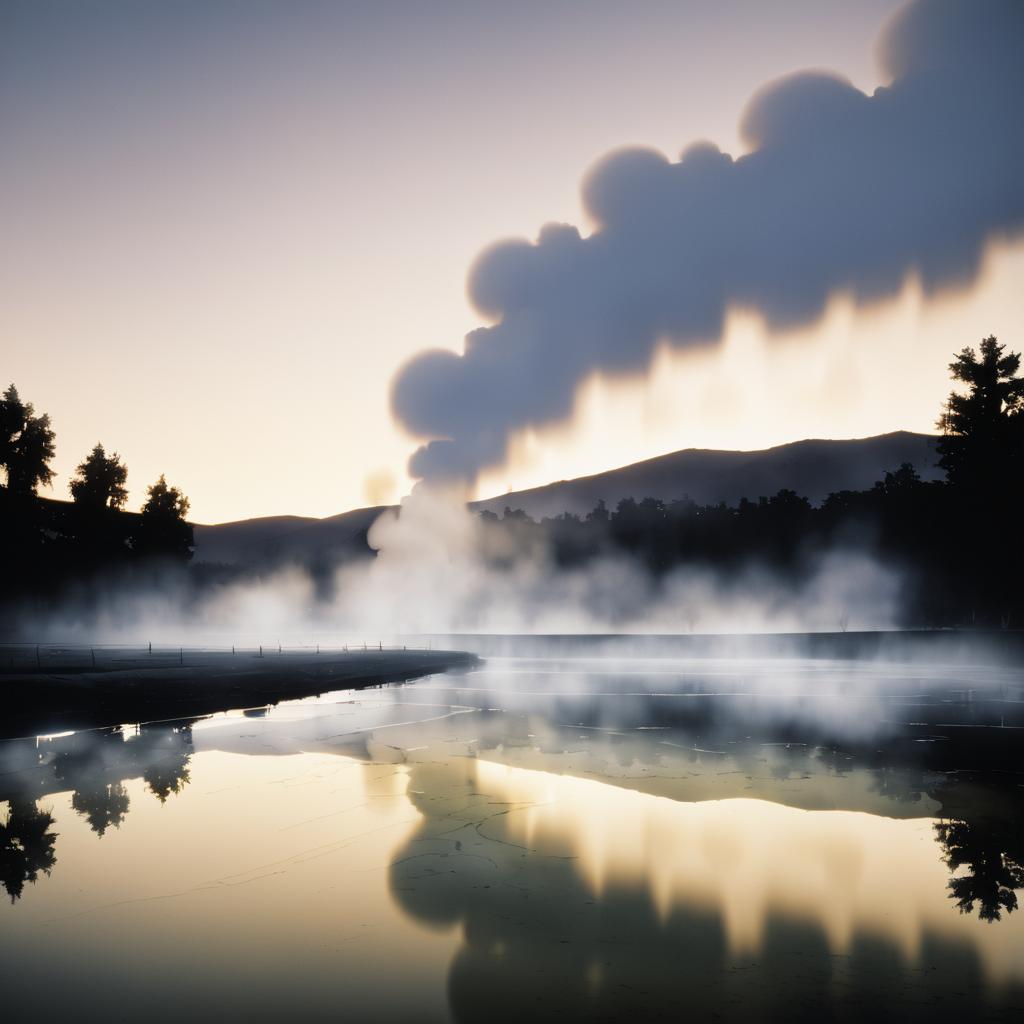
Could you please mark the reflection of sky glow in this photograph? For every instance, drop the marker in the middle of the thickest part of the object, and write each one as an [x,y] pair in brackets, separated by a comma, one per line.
[256,863]
[749,860]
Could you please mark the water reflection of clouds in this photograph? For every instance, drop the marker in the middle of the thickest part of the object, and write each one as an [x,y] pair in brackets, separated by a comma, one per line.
[751,859]
[575,897]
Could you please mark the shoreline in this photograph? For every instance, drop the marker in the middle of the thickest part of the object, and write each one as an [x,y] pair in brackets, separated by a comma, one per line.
[39,701]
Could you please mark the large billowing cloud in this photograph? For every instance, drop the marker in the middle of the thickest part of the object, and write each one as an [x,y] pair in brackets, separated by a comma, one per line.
[841,192]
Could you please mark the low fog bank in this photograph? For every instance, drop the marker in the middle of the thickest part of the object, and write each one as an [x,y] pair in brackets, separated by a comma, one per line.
[936,650]
[441,571]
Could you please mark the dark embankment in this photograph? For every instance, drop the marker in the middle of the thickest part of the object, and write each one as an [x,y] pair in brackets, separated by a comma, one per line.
[47,690]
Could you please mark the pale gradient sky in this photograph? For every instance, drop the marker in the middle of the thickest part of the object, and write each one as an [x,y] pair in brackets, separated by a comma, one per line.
[226,225]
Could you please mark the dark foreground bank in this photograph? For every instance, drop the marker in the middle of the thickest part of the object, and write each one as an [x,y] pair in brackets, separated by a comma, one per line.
[52,689]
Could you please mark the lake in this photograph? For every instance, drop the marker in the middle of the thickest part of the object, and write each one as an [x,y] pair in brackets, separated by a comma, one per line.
[560,833]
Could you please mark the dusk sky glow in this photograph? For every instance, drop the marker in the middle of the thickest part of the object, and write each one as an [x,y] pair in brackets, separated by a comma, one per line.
[227,226]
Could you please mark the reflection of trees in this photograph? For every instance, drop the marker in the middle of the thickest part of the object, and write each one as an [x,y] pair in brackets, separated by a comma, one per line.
[167,756]
[168,776]
[102,806]
[26,846]
[980,830]
[94,765]
[97,763]
[992,851]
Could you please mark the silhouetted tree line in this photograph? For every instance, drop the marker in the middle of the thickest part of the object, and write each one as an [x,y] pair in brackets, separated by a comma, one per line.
[957,541]
[45,543]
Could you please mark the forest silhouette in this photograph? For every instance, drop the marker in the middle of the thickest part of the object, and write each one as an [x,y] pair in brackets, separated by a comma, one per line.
[952,542]
[46,545]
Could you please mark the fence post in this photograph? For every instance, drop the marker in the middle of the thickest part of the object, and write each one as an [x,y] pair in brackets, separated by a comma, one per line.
[181,655]
[261,650]
[92,651]
[39,664]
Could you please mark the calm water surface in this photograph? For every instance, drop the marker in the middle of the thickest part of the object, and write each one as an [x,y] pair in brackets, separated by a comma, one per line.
[544,838]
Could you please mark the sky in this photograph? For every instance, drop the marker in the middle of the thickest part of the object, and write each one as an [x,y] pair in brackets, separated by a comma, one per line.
[227,226]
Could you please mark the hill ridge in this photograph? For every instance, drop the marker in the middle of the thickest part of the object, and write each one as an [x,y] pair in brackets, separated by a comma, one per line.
[813,467]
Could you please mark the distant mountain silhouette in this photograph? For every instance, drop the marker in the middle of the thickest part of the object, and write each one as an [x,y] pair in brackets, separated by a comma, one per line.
[285,538]
[812,468]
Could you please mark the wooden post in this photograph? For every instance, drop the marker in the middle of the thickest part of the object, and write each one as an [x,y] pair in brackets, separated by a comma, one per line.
[92,651]
[39,664]
[181,655]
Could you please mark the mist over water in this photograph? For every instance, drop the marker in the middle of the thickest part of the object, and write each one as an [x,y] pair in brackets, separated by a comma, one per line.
[813,658]
[436,573]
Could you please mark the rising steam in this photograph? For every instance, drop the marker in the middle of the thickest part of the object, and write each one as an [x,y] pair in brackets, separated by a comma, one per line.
[435,573]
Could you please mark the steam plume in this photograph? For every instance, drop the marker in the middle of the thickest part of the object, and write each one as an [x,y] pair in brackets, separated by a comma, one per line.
[841,191]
